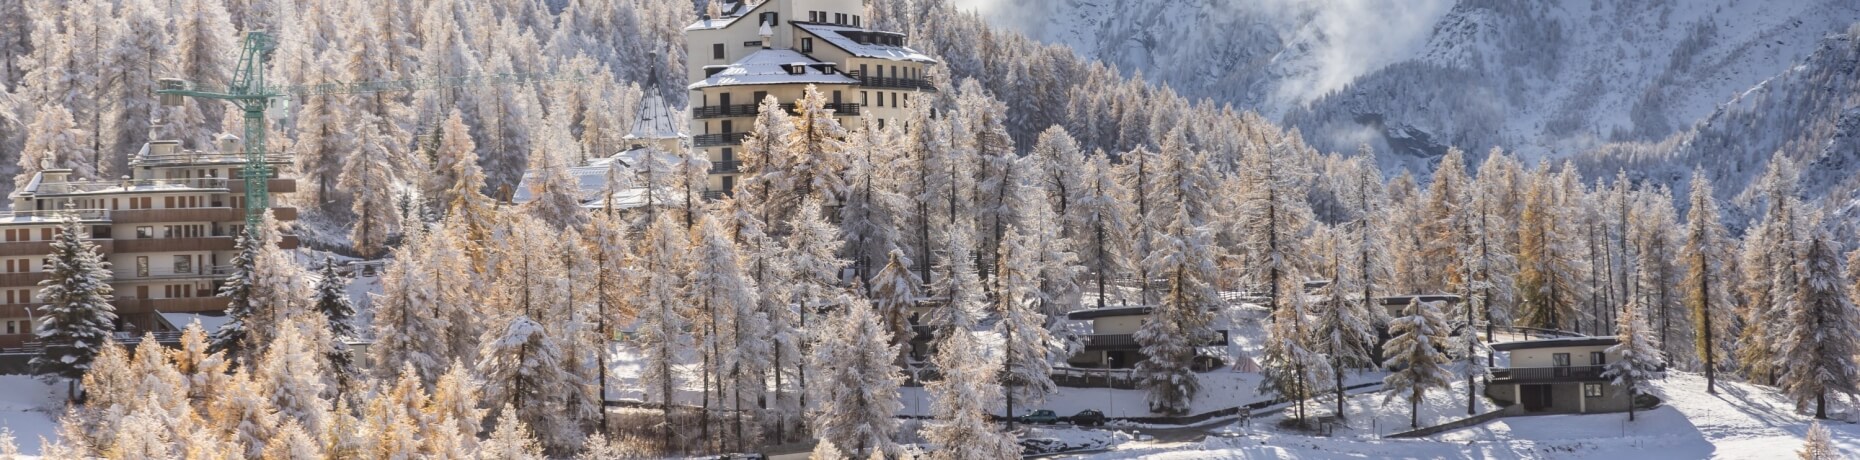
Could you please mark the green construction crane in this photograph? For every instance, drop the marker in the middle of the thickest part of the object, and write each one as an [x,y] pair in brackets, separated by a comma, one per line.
[250,94]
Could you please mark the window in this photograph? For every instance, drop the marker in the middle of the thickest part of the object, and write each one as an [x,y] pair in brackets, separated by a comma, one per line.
[881,123]
[1591,390]
[813,16]
[855,20]
[1597,358]
[836,97]
[807,45]
[716,51]
[729,184]
[839,18]
[723,100]
[772,19]
[1560,359]
[142,265]
[864,99]
[183,264]
[728,127]
[728,155]
[12,327]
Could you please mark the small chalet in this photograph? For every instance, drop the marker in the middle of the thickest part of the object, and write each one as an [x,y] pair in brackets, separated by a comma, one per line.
[1562,375]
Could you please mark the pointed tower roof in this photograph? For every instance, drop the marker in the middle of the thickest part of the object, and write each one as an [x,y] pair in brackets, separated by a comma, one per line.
[655,121]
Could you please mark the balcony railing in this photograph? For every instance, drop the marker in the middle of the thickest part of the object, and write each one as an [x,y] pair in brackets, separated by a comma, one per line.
[719,140]
[750,110]
[220,271]
[1129,341]
[54,215]
[55,188]
[724,166]
[1549,374]
[892,82]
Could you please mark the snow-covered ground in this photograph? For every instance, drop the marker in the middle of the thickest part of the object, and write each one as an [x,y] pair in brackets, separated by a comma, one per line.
[1220,389]
[1740,422]
[30,408]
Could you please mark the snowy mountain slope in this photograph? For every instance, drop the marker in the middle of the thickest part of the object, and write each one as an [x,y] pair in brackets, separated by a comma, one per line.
[1810,113]
[1546,79]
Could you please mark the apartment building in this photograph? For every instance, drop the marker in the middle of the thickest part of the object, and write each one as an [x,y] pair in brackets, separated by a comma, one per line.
[756,49]
[167,231]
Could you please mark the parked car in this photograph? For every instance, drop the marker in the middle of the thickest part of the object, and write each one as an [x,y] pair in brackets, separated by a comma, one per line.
[1042,416]
[1087,417]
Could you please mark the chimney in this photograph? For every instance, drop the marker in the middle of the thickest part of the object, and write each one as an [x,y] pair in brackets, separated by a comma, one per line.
[230,144]
[768,34]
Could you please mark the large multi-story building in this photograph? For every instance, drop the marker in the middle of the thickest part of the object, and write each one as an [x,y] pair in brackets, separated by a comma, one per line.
[167,231]
[760,48]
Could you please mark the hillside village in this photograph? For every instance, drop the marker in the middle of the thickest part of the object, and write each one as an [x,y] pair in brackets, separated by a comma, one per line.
[861,229]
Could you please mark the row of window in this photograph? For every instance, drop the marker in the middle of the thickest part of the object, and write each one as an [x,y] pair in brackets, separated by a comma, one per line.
[1596,358]
[822,16]
[18,326]
[22,265]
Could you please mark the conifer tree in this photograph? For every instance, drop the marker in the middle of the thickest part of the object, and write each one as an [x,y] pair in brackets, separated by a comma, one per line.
[812,254]
[1816,343]
[76,317]
[1273,218]
[202,50]
[816,148]
[332,301]
[859,404]
[1290,368]
[1546,275]
[292,377]
[1027,345]
[1657,244]
[51,136]
[870,217]
[1343,329]
[1178,326]
[894,292]
[1818,444]
[130,64]
[1707,256]
[662,324]
[1443,226]
[1102,224]
[1415,354]
[511,439]
[960,429]
[1638,352]
[366,174]
[726,299]
[405,325]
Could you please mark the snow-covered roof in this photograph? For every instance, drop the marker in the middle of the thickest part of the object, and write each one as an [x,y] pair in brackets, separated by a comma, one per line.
[773,66]
[208,321]
[732,11]
[838,37]
[591,181]
[1581,341]
[655,120]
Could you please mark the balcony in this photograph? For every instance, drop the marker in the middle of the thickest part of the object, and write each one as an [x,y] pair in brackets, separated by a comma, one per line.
[724,166]
[1129,341]
[132,274]
[719,140]
[272,185]
[210,243]
[54,215]
[750,110]
[1555,374]
[892,82]
[130,304]
[144,216]
[122,186]
[22,279]
[40,248]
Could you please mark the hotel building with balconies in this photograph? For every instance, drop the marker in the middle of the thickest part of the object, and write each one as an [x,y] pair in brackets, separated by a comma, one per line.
[756,49]
[167,231]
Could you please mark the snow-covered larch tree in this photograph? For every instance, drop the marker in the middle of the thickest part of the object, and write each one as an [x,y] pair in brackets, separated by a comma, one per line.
[1415,353]
[1027,344]
[405,328]
[1273,217]
[726,300]
[76,317]
[367,175]
[960,429]
[1818,444]
[871,214]
[1101,222]
[1547,270]
[858,405]
[1443,226]
[292,375]
[1656,238]
[1290,368]
[1179,324]
[1636,360]
[661,331]
[812,255]
[816,148]
[893,292]
[1343,328]
[50,137]
[1707,257]
[1817,343]
[203,47]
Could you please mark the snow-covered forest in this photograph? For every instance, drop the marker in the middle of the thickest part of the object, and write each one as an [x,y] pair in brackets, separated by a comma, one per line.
[1034,183]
